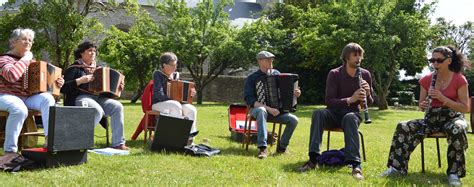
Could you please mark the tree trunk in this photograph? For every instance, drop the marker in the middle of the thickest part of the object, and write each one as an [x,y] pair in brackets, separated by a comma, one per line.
[383,104]
[138,94]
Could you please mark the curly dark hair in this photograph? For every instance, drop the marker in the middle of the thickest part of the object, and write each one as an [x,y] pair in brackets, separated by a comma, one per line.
[459,62]
[83,47]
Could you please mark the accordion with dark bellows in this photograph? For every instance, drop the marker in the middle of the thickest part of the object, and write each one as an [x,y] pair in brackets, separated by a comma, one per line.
[106,82]
[41,76]
[180,91]
[277,91]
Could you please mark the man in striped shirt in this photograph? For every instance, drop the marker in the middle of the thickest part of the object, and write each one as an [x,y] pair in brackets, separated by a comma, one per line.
[13,97]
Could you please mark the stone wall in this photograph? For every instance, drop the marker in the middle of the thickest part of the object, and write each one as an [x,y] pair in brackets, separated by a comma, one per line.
[227,89]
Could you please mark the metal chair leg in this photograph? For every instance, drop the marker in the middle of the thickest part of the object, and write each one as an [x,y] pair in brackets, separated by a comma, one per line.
[422,157]
[363,145]
[439,156]
[329,136]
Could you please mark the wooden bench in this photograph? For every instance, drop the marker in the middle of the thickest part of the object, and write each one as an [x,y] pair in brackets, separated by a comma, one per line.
[29,132]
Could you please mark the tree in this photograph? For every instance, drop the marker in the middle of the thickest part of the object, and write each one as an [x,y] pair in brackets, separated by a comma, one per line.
[447,33]
[394,35]
[198,36]
[59,26]
[135,52]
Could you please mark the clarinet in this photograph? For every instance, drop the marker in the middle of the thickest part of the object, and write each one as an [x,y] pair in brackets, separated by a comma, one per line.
[364,104]
[421,131]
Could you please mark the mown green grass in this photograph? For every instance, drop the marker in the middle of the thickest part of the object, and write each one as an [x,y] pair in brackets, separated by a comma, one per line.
[235,166]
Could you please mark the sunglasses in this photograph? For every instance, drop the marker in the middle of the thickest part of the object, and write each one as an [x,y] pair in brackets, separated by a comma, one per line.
[439,61]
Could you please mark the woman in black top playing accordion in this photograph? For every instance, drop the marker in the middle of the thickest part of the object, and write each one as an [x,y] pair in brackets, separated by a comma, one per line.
[77,77]
[162,102]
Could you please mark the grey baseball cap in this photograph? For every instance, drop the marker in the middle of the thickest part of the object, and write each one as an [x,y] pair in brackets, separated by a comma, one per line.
[264,54]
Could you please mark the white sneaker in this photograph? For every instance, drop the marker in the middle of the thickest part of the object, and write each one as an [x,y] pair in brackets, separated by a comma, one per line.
[453,180]
[391,171]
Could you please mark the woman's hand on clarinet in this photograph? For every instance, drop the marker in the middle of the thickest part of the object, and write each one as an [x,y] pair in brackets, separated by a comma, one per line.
[436,94]
[423,105]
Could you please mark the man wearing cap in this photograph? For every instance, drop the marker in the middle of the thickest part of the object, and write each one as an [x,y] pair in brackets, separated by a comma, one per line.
[344,92]
[260,111]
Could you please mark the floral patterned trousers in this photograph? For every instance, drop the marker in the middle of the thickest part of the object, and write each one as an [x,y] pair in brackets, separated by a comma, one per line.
[410,133]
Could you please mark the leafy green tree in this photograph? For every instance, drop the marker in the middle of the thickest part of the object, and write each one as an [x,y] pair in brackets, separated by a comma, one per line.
[447,33]
[59,26]
[200,36]
[136,52]
[394,35]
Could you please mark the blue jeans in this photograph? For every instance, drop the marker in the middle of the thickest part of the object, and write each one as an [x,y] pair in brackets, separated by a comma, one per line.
[17,108]
[261,114]
[109,107]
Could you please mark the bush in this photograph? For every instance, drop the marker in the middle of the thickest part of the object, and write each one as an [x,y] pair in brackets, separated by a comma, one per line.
[406,97]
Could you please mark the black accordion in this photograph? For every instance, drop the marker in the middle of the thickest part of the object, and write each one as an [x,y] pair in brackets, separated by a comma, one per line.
[277,91]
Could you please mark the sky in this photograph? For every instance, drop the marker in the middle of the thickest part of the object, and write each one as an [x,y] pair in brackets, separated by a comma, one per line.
[458,11]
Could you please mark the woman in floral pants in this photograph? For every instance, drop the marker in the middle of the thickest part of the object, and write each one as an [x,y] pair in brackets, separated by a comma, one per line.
[450,99]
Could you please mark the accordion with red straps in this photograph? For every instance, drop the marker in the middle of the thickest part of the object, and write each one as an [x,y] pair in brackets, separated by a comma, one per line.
[277,91]
[41,76]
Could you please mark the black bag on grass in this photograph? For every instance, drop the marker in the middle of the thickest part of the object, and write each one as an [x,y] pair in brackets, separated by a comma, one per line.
[16,162]
[332,158]
[201,150]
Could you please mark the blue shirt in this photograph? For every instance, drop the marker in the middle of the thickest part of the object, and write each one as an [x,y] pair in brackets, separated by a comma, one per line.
[250,95]
[159,87]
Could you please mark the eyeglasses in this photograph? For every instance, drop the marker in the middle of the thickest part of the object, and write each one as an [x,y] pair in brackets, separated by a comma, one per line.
[439,61]
[172,65]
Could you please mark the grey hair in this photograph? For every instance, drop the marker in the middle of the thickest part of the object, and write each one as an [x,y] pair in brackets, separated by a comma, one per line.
[167,58]
[16,34]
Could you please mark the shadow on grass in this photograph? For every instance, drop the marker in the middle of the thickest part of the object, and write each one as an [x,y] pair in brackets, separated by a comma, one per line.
[427,178]
[293,168]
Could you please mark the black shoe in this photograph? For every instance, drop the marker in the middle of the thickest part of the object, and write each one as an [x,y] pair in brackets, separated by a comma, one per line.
[281,151]
[308,166]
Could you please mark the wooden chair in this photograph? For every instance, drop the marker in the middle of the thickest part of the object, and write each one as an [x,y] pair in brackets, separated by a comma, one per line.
[248,133]
[29,129]
[436,135]
[338,129]
[149,125]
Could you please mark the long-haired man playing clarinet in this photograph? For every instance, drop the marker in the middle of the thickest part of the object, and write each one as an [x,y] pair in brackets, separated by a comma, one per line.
[344,93]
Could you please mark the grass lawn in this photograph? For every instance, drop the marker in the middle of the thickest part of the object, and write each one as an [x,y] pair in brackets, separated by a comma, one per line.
[235,166]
